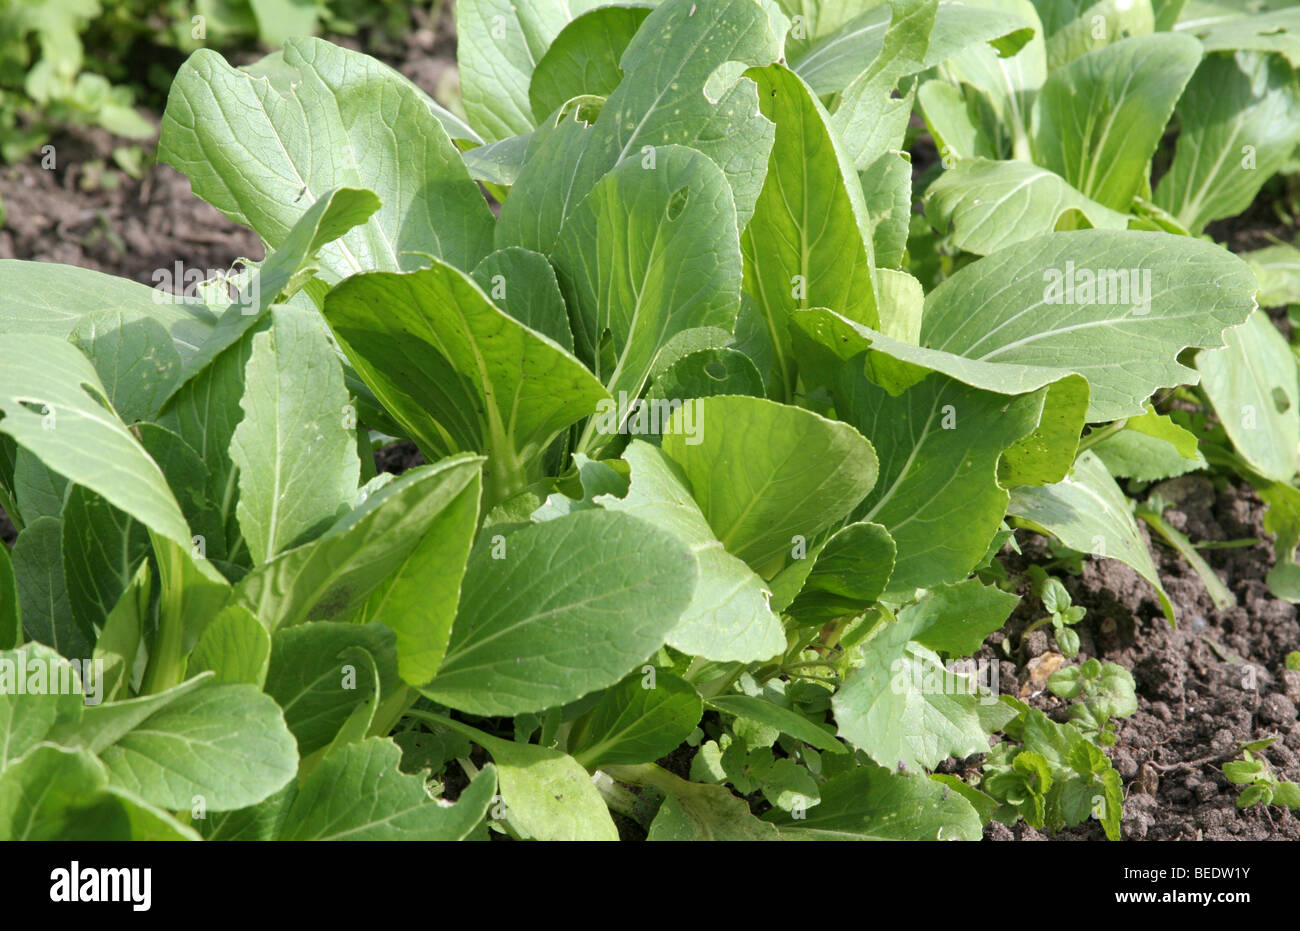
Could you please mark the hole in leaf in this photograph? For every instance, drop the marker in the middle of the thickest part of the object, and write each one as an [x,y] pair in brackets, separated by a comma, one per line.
[36,407]
[677,203]
[1281,401]
[716,370]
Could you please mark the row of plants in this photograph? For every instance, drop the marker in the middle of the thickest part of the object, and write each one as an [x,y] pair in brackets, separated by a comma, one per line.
[722,439]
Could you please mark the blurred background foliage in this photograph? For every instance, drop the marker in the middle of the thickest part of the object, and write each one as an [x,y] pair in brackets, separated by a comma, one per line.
[91,63]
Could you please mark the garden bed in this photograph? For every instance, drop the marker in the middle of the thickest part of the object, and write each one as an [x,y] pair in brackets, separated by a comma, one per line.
[1215,682]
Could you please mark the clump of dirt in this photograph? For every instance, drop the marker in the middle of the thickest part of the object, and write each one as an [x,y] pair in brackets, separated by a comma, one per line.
[81,212]
[398,457]
[1215,682]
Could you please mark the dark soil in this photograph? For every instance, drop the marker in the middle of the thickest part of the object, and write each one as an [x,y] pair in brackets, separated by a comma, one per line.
[78,213]
[1204,689]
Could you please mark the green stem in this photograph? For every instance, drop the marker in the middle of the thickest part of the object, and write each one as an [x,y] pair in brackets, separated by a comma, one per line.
[505,476]
[721,684]
[812,678]
[391,710]
[646,775]
[1034,626]
[619,799]
[1219,592]
[1096,436]
[166,660]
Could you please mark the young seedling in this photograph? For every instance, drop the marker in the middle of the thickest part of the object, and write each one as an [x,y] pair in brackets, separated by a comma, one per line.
[1260,785]
[1105,690]
[1063,613]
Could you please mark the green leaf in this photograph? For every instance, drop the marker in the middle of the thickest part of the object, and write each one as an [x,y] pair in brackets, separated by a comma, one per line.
[102,547]
[903,706]
[694,812]
[990,314]
[1254,388]
[675,91]
[295,450]
[1271,30]
[775,716]
[984,805]
[765,473]
[1150,448]
[955,619]
[584,58]
[118,642]
[522,283]
[225,742]
[868,117]
[560,609]
[636,723]
[809,242]
[358,794]
[988,205]
[280,20]
[956,121]
[887,189]
[56,407]
[548,795]
[318,675]
[707,373]
[499,43]
[459,374]
[849,573]
[1074,27]
[38,489]
[677,266]
[45,299]
[1003,88]
[234,646]
[42,589]
[134,356]
[872,803]
[498,163]
[1088,512]
[942,442]
[1240,120]
[728,618]
[55,793]
[28,716]
[1283,519]
[334,214]
[418,600]
[251,147]
[1278,270]
[1098,120]
[335,573]
[832,63]
[203,415]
